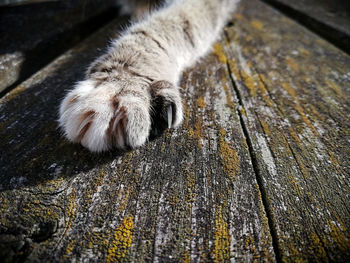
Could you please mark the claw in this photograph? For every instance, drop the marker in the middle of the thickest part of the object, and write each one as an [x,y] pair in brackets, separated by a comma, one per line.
[170,116]
[88,117]
[118,117]
[120,137]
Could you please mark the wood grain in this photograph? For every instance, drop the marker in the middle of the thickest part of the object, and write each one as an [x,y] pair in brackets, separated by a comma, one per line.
[34,34]
[328,18]
[295,92]
[189,195]
[259,170]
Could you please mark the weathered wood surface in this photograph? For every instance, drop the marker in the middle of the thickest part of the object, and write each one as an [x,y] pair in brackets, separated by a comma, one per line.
[31,36]
[334,13]
[259,171]
[295,92]
[329,18]
[188,195]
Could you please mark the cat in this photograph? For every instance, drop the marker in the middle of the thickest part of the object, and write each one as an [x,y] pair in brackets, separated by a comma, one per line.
[131,90]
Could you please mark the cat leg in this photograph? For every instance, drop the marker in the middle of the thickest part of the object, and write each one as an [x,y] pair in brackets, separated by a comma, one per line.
[132,89]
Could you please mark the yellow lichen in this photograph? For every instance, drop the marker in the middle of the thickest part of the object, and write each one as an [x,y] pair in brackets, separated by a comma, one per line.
[256,86]
[186,115]
[249,83]
[14,93]
[266,239]
[190,132]
[265,94]
[282,137]
[248,38]
[124,195]
[163,147]
[190,184]
[292,64]
[249,64]
[238,16]
[262,77]
[303,52]
[294,183]
[334,87]
[305,119]
[93,187]
[71,209]
[265,127]
[243,112]
[70,247]
[315,112]
[122,240]
[257,24]
[198,131]
[125,192]
[49,185]
[333,158]
[298,107]
[234,69]
[201,102]
[290,90]
[219,52]
[294,254]
[342,240]
[249,245]
[317,247]
[303,169]
[229,157]
[228,94]
[172,198]
[186,257]
[294,135]
[222,239]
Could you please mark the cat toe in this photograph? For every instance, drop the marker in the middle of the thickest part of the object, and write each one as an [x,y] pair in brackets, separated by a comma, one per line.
[167,109]
[130,126]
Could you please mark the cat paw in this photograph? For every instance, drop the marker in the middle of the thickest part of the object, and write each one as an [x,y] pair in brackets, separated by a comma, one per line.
[101,116]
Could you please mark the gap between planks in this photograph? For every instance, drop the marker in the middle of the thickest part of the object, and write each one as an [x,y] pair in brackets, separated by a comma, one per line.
[258,176]
[333,34]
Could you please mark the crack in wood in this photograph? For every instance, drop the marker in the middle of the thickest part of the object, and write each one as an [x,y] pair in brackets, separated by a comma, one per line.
[264,197]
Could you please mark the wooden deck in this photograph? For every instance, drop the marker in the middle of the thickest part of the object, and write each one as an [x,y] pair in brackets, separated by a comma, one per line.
[259,170]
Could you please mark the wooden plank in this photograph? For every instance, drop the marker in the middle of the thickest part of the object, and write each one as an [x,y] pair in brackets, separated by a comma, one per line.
[334,13]
[22,2]
[189,195]
[329,18]
[34,35]
[294,91]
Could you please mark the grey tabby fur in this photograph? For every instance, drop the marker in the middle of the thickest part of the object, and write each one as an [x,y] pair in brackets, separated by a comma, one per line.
[132,90]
